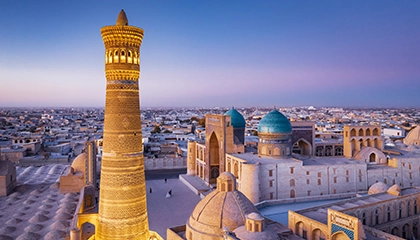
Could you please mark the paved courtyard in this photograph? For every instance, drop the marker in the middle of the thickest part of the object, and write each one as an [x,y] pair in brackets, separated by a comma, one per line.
[169,212]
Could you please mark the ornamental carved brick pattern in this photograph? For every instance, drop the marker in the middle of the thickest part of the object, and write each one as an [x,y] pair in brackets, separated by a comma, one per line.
[122,203]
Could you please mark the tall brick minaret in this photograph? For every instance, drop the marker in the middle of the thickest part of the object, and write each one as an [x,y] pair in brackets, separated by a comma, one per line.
[122,203]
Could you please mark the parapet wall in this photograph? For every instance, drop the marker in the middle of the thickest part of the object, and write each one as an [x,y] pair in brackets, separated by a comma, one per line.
[165,163]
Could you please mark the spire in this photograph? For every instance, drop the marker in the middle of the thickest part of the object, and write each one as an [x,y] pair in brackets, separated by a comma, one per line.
[122,19]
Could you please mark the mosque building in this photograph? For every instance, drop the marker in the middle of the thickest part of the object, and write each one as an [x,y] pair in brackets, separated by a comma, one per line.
[275,172]
[226,213]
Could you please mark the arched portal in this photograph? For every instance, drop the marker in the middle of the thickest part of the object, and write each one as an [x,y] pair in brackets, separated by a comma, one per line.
[372,158]
[317,234]
[302,147]
[340,236]
[301,230]
[405,231]
[395,231]
[214,158]
[235,169]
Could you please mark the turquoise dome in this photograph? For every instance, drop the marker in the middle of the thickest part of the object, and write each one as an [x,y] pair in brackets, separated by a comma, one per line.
[275,122]
[238,121]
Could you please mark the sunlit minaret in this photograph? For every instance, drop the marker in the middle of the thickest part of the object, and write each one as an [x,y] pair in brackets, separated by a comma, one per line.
[122,203]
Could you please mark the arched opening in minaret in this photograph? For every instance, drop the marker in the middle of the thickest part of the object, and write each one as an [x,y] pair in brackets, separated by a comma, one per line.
[116,60]
[214,158]
[129,57]
[122,58]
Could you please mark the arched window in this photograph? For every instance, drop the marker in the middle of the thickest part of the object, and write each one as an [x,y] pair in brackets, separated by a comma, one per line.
[405,232]
[292,182]
[110,57]
[292,193]
[375,132]
[301,230]
[135,58]
[364,218]
[328,151]
[353,132]
[408,208]
[388,214]
[235,169]
[122,58]
[317,234]
[400,207]
[395,231]
[377,216]
[361,132]
[368,132]
[129,57]
[116,60]
[338,151]
[319,151]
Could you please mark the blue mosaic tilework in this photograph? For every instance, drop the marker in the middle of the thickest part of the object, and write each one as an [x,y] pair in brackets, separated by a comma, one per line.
[335,228]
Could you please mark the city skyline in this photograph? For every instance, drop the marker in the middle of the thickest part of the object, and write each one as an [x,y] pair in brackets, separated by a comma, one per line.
[239,53]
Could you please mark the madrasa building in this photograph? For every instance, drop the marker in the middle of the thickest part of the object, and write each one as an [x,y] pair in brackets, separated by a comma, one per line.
[378,186]
[275,171]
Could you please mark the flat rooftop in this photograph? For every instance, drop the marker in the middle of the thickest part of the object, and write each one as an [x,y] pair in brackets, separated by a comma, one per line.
[37,210]
[296,159]
[320,213]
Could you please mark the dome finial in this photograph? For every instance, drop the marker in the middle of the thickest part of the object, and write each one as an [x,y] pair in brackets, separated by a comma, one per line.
[122,19]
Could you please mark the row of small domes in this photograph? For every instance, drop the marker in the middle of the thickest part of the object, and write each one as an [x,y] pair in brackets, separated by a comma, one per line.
[273,122]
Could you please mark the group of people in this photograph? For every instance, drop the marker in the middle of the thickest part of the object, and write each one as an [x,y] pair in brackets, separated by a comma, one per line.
[168,194]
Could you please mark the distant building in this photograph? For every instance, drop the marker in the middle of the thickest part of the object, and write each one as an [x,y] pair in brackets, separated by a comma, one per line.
[386,213]
[394,132]
[7,178]
[82,171]
[225,213]
[413,137]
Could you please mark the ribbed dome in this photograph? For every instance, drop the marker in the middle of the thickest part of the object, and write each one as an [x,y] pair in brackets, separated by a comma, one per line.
[219,209]
[275,122]
[238,121]
[413,137]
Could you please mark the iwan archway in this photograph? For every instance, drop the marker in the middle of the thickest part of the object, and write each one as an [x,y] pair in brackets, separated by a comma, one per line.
[214,158]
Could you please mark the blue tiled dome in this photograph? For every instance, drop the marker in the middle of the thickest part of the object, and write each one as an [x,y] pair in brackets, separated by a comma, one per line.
[275,122]
[238,121]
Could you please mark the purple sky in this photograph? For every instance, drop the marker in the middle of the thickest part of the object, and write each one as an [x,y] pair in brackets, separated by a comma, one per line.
[217,53]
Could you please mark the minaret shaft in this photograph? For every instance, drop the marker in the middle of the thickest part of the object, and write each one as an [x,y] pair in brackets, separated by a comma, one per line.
[122,203]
